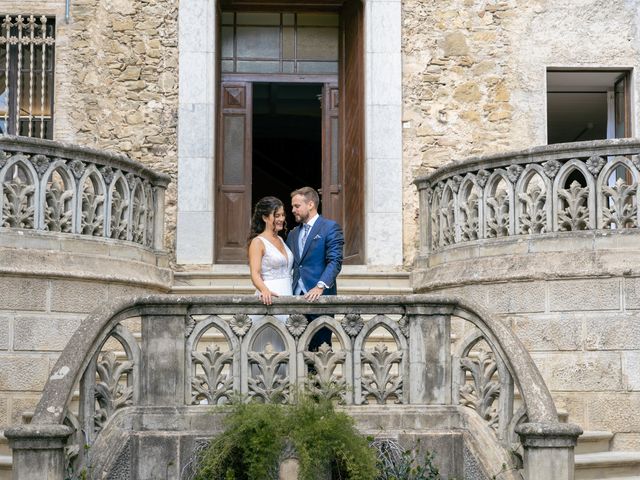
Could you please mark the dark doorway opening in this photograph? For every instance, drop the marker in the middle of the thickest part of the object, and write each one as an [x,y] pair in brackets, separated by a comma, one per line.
[287,140]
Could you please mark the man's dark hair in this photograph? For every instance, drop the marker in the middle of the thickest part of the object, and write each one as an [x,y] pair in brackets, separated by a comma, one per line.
[309,194]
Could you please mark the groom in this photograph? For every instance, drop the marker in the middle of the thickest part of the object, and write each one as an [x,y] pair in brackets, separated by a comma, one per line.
[316,244]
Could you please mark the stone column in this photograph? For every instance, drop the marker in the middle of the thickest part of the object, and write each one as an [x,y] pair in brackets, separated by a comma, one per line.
[548,450]
[38,451]
[158,220]
[163,360]
[429,355]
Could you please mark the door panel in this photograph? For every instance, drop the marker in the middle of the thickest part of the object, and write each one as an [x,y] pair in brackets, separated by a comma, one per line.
[233,192]
[331,182]
[352,130]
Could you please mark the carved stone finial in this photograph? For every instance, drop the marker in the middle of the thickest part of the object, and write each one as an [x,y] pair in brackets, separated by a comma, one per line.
[107,174]
[456,180]
[77,167]
[403,324]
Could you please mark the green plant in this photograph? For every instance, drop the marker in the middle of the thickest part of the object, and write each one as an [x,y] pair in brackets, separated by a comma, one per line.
[256,435]
[395,463]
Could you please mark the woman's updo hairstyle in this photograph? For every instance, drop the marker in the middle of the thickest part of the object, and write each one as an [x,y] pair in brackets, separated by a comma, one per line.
[265,207]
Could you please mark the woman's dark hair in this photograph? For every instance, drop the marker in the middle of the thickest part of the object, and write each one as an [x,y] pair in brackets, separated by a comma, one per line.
[265,207]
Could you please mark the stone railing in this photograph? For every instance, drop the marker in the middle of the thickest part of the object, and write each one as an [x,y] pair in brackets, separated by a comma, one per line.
[556,188]
[167,351]
[52,187]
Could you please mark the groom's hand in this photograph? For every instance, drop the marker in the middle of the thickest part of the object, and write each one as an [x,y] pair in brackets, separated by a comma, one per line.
[313,294]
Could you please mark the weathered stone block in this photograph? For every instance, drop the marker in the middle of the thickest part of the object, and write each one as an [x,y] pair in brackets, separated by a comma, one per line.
[626,442]
[5,328]
[580,372]
[613,332]
[616,412]
[548,332]
[20,373]
[156,457]
[631,370]
[20,406]
[568,295]
[4,412]
[455,44]
[44,333]
[631,290]
[77,296]
[573,403]
[23,293]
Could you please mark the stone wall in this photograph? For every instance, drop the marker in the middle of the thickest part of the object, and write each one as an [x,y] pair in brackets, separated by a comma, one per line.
[475,74]
[48,283]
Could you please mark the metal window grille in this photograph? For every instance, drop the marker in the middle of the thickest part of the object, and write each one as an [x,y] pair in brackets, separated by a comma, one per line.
[26,75]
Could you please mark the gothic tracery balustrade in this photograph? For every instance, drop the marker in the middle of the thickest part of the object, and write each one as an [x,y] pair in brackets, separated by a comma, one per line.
[52,187]
[557,188]
[209,350]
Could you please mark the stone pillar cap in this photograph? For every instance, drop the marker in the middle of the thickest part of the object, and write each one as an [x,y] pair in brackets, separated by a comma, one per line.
[37,436]
[549,435]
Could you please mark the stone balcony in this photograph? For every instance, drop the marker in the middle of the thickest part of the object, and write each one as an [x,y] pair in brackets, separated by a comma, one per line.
[557,211]
[82,214]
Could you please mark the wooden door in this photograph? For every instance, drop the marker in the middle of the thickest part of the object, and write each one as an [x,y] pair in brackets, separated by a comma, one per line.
[233,173]
[331,191]
[351,108]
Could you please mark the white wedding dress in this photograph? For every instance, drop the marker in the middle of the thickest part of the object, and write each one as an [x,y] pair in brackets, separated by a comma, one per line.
[276,274]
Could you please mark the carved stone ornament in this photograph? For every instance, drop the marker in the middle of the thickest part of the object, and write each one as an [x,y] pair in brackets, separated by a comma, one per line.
[131,178]
[77,167]
[481,178]
[514,172]
[352,324]
[551,168]
[40,163]
[456,180]
[111,393]
[482,390]
[240,324]
[3,158]
[214,384]
[574,213]
[381,383]
[595,164]
[189,325]
[107,174]
[635,159]
[324,383]
[296,324]
[622,211]
[403,324]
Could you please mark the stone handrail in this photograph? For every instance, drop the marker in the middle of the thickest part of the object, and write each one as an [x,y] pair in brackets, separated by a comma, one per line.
[55,187]
[420,368]
[564,187]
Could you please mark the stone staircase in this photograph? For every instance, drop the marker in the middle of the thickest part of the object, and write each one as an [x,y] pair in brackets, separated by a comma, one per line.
[595,461]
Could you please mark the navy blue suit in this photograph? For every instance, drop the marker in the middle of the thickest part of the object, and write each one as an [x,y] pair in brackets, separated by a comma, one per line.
[321,259]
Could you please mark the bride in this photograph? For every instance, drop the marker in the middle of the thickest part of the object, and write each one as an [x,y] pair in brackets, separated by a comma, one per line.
[270,262]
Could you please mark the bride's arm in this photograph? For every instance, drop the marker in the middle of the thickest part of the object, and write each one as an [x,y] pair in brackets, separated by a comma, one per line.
[256,252]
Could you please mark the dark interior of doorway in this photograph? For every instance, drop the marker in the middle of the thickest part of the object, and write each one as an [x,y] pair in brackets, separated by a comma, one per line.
[287,140]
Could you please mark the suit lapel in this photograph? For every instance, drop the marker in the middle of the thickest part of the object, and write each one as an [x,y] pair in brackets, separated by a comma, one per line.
[312,233]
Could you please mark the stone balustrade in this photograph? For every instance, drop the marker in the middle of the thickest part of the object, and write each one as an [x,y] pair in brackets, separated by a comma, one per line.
[556,188]
[53,187]
[160,352]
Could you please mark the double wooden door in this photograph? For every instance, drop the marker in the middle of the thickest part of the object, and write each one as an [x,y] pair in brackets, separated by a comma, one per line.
[342,178]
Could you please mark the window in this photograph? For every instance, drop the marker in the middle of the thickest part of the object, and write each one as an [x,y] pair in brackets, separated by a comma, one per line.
[587,105]
[26,75]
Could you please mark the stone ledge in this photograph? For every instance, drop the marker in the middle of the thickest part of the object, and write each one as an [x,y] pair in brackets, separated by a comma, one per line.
[66,256]
[544,257]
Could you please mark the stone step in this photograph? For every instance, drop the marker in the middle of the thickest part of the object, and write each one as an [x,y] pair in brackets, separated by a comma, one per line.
[6,464]
[593,442]
[608,466]
[234,279]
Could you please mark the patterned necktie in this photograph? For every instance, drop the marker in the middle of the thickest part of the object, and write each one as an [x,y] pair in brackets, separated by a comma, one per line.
[303,239]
